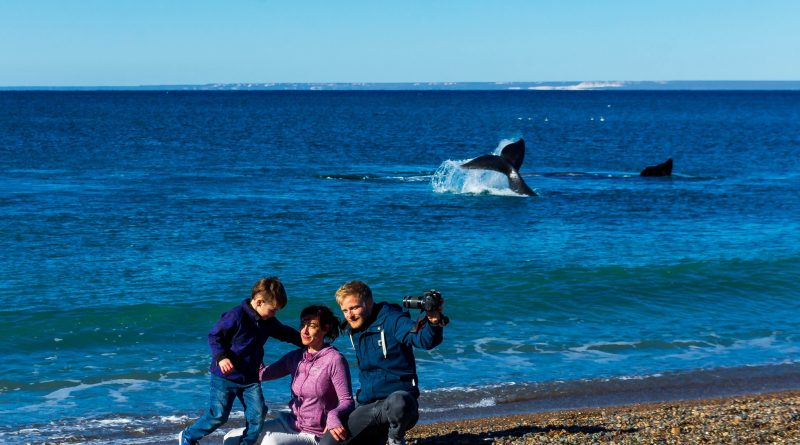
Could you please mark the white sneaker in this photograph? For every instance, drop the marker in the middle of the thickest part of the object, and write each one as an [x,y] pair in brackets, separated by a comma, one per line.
[183,441]
[393,441]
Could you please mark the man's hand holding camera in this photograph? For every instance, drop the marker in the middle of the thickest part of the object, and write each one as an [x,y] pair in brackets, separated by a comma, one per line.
[431,303]
[436,318]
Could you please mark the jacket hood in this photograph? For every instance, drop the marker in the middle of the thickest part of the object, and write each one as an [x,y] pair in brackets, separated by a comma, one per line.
[383,310]
[249,310]
[327,349]
[380,312]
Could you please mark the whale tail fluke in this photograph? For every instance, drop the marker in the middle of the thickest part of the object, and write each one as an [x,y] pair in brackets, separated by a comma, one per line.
[514,153]
[508,163]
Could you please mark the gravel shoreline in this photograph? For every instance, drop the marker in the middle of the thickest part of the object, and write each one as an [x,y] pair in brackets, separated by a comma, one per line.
[772,418]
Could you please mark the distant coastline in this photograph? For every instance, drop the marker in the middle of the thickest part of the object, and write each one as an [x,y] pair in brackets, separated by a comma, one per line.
[677,85]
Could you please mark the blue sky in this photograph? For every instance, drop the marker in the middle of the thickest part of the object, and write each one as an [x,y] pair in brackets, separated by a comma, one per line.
[147,42]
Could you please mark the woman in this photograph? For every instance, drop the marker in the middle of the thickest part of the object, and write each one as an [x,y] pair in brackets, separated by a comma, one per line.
[321,388]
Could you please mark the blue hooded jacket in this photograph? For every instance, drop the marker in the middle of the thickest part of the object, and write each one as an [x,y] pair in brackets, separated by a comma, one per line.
[240,335]
[384,349]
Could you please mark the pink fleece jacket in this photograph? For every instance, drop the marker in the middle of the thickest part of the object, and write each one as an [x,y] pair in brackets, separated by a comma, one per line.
[321,388]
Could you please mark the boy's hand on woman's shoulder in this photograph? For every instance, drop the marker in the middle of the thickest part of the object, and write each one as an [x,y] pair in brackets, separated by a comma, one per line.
[226,366]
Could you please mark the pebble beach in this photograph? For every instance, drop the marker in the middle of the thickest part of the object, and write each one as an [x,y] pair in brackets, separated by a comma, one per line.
[772,418]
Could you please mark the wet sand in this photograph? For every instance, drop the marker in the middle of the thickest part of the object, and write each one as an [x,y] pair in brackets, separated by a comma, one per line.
[771,418]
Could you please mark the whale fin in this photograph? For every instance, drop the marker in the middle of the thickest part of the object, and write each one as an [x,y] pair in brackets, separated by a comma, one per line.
[663,169]
[514,153]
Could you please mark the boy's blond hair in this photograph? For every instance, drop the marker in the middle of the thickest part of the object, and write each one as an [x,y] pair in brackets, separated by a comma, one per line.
[271,289]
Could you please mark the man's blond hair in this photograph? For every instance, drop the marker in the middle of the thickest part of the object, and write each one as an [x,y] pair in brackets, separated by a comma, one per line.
[356,288]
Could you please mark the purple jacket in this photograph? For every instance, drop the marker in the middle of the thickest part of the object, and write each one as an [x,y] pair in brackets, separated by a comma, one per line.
[239,335]
[321,394]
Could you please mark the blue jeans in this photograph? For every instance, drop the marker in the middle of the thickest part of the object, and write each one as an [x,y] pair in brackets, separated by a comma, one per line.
[223,392]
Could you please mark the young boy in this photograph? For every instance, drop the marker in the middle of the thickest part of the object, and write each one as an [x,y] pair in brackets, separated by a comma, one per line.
[237,351]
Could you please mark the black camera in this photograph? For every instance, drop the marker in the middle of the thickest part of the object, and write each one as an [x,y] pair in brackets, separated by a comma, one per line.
[429,301]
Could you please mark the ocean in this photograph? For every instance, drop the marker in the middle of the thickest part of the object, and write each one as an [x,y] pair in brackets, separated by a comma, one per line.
[130,220]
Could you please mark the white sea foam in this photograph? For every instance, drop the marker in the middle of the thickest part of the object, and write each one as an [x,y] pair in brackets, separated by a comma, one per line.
[451,178]
[61,395]
[113,422]
[118,396]
[760,342]
[598,352]
[29,431]
[636,377]
[415,178]
[483,403]
[603,346]
[481,343]
[173,419]
[702,350]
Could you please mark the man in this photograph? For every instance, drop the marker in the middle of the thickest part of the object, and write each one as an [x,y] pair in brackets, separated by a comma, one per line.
[383,336]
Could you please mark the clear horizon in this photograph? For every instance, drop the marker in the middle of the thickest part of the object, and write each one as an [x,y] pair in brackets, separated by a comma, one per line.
[93,43]
[718,85]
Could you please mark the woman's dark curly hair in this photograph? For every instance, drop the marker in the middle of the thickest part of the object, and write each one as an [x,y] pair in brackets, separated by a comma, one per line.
[326,319]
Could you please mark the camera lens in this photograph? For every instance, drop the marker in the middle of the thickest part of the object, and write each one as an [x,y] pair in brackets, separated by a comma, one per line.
[411,302]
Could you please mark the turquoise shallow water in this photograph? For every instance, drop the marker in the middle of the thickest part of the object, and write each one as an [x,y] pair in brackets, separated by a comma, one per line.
[129,221]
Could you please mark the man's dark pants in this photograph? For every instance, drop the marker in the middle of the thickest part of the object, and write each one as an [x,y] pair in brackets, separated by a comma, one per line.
[372,423]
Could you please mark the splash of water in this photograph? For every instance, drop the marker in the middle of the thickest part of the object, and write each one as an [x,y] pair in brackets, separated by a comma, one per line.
[450,177]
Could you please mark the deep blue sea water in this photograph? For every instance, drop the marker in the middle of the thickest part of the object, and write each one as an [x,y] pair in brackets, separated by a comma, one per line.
[130,220]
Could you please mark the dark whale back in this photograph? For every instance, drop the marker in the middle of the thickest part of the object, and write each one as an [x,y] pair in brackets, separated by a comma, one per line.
[663,169]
